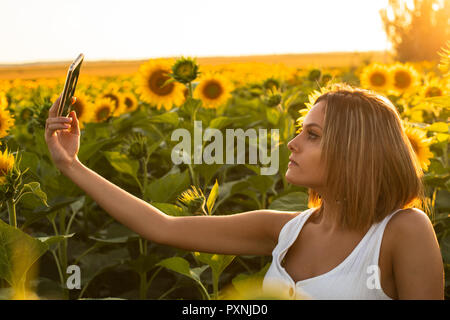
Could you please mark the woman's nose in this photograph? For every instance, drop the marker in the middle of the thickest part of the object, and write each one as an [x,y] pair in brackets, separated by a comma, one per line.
[292,146]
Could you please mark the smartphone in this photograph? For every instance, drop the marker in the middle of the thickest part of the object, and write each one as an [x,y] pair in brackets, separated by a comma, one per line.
[69,86]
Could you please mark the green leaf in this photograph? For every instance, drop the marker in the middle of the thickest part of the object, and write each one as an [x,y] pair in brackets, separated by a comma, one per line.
[229,188]
[39,212]
[217,262]
[122,163]
[220,122]
[18,252]
[294,201]
[273,116]
[177,264]
[181,266]
[261,183]
[154,146]
[212,197]
[35,188]
[29,160]
[53,240]
[168,117]
[166,188]
[92,147]
[170,209]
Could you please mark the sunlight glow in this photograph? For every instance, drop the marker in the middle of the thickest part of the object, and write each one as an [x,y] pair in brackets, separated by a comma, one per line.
[49,30]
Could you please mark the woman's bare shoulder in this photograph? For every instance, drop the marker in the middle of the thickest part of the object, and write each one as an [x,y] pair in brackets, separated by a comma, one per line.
[416,257]
[410,222]
[279,219]
[411,230]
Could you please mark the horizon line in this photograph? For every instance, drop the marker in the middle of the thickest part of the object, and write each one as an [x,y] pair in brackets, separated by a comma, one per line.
[65,61]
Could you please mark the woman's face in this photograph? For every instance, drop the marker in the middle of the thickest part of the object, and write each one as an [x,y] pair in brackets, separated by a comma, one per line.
[305,168]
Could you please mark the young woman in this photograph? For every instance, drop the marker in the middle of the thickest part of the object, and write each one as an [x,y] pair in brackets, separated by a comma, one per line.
[362,238]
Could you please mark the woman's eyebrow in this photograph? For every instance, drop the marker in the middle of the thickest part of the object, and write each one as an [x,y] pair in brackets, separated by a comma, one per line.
[312,125]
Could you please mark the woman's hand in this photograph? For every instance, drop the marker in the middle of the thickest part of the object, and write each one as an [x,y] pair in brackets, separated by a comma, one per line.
[62,135]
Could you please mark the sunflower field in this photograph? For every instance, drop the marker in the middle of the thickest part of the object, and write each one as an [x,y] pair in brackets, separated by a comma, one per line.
[51,229]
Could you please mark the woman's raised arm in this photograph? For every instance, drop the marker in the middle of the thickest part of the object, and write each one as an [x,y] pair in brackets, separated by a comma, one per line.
[253,232]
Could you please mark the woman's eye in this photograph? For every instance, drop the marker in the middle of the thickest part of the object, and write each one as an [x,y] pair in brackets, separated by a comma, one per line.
[312,136]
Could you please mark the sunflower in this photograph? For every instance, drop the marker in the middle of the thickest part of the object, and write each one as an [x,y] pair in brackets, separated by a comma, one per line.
[153,88]
[185,70]
[6,122]
[420,143]
[404,77]
[83,108]
[130,102]
[6,164]
[213,90]
[103,109]
[116,97]
[375,76]
[194,199]
[434,87]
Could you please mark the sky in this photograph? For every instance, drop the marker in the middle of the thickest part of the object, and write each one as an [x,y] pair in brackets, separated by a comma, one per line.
[58,30]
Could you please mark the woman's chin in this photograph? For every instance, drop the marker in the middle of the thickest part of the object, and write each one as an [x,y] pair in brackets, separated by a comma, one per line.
[291,176]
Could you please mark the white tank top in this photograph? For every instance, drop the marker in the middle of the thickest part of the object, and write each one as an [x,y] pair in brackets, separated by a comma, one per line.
[357,277]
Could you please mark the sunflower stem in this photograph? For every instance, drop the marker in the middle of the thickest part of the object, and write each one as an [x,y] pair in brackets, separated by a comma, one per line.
[12,213]
[190,89]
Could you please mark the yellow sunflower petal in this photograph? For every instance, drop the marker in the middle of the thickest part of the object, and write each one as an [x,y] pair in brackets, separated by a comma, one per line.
[213,89]
[6,122]
[103,109]
[404,78]
[152,77]
[420,143]
[375,76]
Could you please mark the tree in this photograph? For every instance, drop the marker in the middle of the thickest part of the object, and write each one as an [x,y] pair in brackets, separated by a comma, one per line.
[417,29]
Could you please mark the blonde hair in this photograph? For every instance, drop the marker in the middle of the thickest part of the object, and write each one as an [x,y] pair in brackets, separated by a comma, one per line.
[371,166]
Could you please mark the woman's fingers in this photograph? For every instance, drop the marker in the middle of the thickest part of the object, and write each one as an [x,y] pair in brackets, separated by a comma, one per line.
[59,123]
[59,120]
[55,126]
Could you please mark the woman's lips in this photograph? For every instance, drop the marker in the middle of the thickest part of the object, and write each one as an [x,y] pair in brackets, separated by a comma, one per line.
[292,163]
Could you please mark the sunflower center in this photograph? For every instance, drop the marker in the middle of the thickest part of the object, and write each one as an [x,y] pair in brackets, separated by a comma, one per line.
[156,81]
[114,98]
[78,106]
[128,102]
[378,79]
[433,92]
[212,90]
[402,79]
[103,113]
